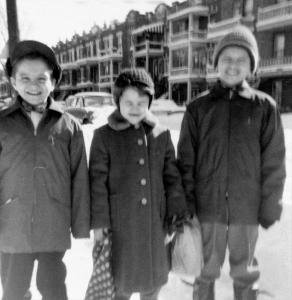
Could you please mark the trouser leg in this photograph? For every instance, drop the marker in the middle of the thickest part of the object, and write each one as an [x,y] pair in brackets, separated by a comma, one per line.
[214,238]
[150,295]
[51,275]
[16,273]
[122,296]
[243,265]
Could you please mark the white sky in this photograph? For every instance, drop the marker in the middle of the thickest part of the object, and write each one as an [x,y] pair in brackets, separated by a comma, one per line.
[52,20]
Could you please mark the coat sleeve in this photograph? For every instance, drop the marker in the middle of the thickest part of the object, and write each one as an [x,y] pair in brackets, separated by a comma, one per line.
[176,203]
[98,173]
[186,156]
[273,167]
[80,198]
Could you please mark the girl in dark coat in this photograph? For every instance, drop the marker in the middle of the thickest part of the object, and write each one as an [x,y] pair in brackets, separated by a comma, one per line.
[135,188]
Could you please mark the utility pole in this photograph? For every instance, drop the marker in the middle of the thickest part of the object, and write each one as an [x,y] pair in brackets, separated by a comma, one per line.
[12,22]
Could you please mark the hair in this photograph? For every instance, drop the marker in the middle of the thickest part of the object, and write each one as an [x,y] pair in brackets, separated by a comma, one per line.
[137,78]
[32,56]
[118,91]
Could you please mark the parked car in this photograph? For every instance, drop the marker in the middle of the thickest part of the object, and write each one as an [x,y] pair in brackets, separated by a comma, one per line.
[6,102]
[88,106]
[168,113]
[166,107]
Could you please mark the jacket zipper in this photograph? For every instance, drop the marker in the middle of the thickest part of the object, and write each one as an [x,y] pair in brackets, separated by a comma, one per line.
[228,155]
[35,130]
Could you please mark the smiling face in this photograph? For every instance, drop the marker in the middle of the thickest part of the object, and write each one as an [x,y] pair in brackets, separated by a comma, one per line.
[32,79]
[234,65]
[133,105]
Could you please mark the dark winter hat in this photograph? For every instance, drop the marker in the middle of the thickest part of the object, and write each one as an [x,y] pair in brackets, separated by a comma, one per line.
[29,47]
[241,36]
[137,77]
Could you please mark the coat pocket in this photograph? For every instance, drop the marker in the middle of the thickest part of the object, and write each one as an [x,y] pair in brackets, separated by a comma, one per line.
[13,215]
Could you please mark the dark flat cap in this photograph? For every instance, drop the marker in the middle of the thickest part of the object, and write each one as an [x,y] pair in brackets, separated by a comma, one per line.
[28,47]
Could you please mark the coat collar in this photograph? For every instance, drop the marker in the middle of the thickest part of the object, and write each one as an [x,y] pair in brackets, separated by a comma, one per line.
[117,122]
[52,105]
[243,89]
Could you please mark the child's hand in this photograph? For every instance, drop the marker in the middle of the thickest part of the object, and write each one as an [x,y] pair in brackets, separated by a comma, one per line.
[177,221]
[99,234]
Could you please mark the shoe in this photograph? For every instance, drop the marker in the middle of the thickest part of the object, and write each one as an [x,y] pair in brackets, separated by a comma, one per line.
[204,291]
[246,293]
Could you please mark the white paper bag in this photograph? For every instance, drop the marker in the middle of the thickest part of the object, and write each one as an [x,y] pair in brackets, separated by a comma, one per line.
[187,253]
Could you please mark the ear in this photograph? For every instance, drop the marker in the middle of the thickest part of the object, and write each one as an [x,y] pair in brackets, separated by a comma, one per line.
[53,84]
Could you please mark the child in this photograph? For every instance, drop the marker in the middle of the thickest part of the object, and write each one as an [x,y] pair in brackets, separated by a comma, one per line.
[135,188]
[44,187]
[231,155]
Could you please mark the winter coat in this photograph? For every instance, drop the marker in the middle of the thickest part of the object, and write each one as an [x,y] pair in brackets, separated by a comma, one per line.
[231,154]
[44,187]
[135,188]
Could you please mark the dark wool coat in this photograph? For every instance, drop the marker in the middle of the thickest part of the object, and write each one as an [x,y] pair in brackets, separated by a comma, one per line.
[135,187]
[44,187]
[231,154]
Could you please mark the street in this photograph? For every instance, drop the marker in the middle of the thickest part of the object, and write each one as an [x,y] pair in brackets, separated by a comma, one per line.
[274,251]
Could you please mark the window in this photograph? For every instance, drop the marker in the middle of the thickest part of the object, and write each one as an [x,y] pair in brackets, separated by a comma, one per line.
[180,58]
[199,59]
[279,45]
[277,91]
[180,26]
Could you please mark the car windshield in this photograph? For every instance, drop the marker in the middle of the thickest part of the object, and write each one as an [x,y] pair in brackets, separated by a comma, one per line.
[97,101]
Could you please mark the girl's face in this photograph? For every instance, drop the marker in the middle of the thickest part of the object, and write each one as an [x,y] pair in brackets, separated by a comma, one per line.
[234,66]
[33,81]
[134,105]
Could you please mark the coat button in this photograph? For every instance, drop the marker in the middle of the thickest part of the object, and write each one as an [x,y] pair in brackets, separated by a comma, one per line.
[140,142]
[143,181]
[141,161]
[144,201]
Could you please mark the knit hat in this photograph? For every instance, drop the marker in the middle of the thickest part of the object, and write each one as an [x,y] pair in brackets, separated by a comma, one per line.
[241,36]
[137,77]
[30,47]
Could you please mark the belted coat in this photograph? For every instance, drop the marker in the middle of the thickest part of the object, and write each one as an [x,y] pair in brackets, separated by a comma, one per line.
[231,155]
[135,188]
[44,187]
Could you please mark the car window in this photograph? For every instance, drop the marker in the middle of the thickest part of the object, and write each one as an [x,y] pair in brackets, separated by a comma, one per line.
[73,102]
[78,102]
[69,101]
[108,100]
[95,101]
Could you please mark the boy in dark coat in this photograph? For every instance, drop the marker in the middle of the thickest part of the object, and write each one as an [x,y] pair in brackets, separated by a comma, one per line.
[44,187]
[135,188]
[231,154]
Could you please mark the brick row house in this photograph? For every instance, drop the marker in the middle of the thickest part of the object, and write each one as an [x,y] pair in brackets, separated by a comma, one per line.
[274,35]
[92,61]
[176,43]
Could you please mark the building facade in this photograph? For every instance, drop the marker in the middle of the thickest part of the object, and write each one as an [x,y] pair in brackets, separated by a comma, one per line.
[274,35]
[92,61]
[175,44]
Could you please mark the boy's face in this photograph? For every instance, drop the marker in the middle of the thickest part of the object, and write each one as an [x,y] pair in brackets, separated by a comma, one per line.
[234,65]
[33,81]
[133,105]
